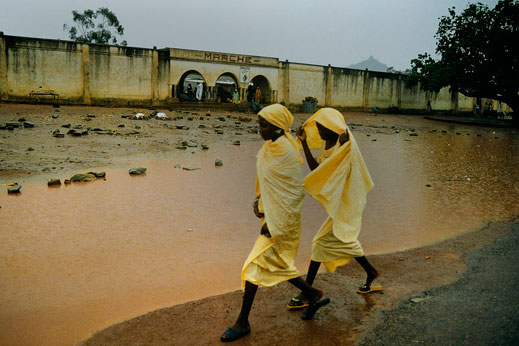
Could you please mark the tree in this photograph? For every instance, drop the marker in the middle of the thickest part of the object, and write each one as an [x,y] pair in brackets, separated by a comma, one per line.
[101,26]
[478,52]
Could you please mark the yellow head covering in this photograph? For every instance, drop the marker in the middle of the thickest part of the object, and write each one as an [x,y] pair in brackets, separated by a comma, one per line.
[330,118]
[278,115]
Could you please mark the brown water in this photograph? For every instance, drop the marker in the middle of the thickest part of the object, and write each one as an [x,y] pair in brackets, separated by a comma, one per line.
[78,258]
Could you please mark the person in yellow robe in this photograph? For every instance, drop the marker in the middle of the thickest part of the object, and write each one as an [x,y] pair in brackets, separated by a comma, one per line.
[279,200]
[340,181]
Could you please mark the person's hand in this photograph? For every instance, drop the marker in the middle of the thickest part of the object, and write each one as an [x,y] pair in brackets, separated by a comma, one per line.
[344,138]
[301,134]
[256,209]
[265,231]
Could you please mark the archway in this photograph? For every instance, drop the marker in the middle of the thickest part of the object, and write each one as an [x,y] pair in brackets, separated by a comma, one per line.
[188,85]
[262,83]
[224,87]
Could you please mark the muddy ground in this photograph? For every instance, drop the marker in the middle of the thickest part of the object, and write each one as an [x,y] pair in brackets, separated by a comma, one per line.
[33,154]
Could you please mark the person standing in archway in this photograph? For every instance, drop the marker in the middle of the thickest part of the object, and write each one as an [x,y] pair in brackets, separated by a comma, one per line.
[257,97]
[199,91]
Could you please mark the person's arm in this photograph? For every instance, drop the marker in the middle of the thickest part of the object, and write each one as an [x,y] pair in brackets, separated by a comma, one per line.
[265,231]
[344,138]
[312,163]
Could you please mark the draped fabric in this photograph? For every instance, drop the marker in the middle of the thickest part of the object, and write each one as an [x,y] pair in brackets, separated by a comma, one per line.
[340,183]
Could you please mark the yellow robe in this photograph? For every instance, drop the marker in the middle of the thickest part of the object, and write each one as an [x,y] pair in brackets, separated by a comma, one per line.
[340,183]
[280,184]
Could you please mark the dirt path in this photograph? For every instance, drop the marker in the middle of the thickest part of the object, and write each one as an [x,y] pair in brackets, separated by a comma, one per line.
[344,322]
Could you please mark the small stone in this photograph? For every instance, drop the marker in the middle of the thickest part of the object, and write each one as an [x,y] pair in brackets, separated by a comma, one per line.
[98,174]
[21,120]
[236,143]
[428,185]
[191,168]
[55,116]
[219,132]
[66,182]
[78,127]
[221,118]
[180,127]
[28,124]
[137,170]
[374,140]
[91,116]
[205,147]
[14,189]
[190,118]
[181,147]
[29,149]
[124,116]
[413,134]
[121,125]
[12,124]
[54,182]
[82,177]
[66,126]
[178,166]
[58,134]
[218,162]
[418,300]
[189,230]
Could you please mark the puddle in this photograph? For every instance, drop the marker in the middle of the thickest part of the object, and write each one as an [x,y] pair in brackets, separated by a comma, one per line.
[78,258]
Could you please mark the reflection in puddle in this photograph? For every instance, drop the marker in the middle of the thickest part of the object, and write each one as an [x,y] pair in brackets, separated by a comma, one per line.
[77,258]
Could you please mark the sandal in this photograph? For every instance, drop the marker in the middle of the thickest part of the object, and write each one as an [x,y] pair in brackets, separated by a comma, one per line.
[232,334]
[367,289]
[298,302]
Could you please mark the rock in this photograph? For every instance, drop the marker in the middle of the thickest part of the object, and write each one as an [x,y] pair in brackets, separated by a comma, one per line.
[137,170]
[190,118]
[121,125]
[413,134]
[91,116]
[55,116]
[12,124]
[29,149]
[201,126]
[54,182]
[221,118]
[67,181]
[28,124]
[208,114]
[21,119]
[74,132]
[180,127]
[66,126]
[178,166]
[428,185]
[218,162]
[205,147]
[191,168]
[125,116]
[236,143]
[98,174]
[78,127]
[137,127]
[181,147]
[219,132]
[244,119]
[421,299]
[14,189]
[58,134]
[82,177]
[190,144]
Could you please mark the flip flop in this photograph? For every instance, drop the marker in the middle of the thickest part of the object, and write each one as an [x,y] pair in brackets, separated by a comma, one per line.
[365,289]
[298,302]
[312,309]
[232,335]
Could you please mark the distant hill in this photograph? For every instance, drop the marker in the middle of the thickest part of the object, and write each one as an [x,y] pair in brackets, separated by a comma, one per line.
[371,64]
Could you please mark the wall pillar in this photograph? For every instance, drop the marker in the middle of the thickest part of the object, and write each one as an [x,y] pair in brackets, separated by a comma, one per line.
[4,90]
[155,77]
[399,92]
[85,72]
[286,83]
[328,91]
[365,90]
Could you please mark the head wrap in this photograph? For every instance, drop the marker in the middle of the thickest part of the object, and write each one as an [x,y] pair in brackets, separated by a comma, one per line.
[330,118]
[278,115]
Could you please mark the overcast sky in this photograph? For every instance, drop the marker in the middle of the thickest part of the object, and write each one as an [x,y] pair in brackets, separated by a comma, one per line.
[336,32]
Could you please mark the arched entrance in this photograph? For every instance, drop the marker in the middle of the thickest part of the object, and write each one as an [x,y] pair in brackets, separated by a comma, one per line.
[225,85]
[188,86]
[262,83]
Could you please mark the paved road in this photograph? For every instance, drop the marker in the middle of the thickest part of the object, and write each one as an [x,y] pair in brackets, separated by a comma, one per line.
[480,309]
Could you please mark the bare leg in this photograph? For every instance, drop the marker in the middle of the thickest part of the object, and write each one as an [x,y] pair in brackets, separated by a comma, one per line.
[312,272]
[308,291]
[242,323]
[370,270]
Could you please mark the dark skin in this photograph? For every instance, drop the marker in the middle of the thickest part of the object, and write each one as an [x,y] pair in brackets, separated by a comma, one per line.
[268,132]
[331,139]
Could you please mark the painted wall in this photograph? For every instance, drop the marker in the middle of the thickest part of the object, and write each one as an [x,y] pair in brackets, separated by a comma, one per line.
[113,75]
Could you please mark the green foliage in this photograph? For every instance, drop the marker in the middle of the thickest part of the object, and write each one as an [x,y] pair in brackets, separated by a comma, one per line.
[478,52]
[101,26]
